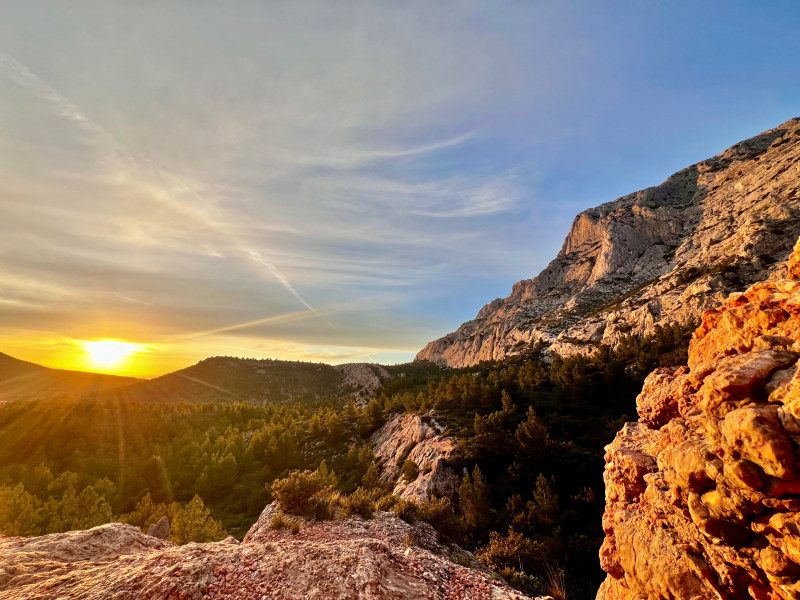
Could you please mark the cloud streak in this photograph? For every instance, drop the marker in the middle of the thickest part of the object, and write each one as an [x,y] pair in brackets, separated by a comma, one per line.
[166,189]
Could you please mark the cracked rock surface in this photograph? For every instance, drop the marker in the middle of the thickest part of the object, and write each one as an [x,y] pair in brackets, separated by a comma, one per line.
[353,559]
[703,492]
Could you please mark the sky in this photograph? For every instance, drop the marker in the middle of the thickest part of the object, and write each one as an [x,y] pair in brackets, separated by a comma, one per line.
[338,181]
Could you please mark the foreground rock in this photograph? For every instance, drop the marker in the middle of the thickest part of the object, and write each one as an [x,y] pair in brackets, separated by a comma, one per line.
[703,493]
[658,256]
[384,558]
[408,437]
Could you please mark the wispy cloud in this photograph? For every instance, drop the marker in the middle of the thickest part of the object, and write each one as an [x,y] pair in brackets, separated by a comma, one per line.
[194,196]
[185,197]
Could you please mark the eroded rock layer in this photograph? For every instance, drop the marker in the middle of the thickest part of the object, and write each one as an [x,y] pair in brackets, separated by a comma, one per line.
[703,493]
[661,255]
[379,559]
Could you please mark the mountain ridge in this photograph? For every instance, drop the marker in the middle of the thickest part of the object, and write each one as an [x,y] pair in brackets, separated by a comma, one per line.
[659,255]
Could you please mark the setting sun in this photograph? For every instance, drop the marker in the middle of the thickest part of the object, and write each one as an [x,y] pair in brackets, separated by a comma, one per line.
[108,353]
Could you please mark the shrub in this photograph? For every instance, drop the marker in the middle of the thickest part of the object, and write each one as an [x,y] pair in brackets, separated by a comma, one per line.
[277,522]
[361,502]
[307,493]
[512,551]
[409,470]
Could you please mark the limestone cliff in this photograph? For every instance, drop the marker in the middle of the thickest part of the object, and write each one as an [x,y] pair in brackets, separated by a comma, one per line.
[660,255]
[354,559]
[703,493]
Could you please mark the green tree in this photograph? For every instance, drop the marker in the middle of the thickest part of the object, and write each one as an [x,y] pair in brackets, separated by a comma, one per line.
[532,436]
[194,523]
[371,479]
[544,506]
[473,498]
[373,415]
[145,513]
[20,512]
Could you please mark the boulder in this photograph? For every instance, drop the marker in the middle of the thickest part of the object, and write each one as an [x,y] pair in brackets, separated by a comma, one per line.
[409,437]
[160,529]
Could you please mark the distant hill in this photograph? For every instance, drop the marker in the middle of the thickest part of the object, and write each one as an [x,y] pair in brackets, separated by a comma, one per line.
[228,379]
[22,380]
[217,379]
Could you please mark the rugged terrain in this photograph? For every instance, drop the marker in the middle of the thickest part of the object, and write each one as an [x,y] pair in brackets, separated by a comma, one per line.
[703,493]
[408,437]
[660,255]
[382,558]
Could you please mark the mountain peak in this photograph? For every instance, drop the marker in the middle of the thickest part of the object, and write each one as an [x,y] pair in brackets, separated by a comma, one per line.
[657,256]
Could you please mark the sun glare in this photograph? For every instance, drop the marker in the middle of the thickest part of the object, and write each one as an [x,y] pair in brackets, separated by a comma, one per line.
[108,353]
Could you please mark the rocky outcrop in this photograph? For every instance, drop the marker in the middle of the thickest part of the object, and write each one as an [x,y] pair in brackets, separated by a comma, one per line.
[362,379]
[408,437]
[703,493]
[661,255]
[383,558]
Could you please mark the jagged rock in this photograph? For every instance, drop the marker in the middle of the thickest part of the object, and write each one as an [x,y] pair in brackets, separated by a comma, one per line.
[353,559]
[702,494]
[409,437]
[160,529]
[658,256]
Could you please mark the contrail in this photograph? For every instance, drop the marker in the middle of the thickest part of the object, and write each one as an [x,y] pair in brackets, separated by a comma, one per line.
[21,75]
[282,278]
[300,315]
[127,162]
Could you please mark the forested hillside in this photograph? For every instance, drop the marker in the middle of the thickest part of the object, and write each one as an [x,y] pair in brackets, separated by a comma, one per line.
[531,435]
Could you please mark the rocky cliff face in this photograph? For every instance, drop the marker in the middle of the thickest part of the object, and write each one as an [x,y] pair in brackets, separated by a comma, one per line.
[660,255]
[407,437]
[703,493]
[380,559]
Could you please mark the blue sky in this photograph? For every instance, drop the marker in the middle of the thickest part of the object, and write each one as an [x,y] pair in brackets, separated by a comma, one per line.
[340,181]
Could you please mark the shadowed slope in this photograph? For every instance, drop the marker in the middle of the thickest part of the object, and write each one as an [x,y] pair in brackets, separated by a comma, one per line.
[22,380]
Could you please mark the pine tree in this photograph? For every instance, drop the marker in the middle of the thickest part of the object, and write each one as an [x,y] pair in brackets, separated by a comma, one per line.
[194,523]
[532,436]
[544,507]
[371,479]
[473,497]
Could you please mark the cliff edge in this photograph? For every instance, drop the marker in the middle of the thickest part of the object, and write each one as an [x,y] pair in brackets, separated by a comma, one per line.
[703,492]
[383,558]
[658,256]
